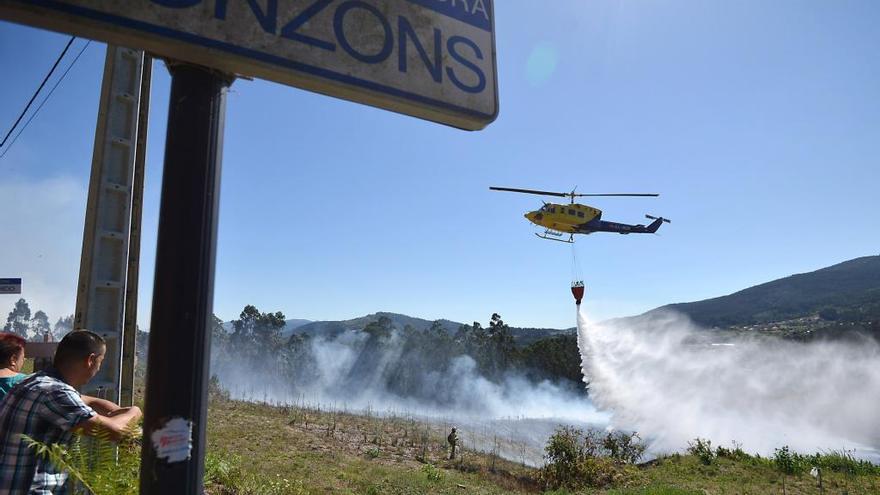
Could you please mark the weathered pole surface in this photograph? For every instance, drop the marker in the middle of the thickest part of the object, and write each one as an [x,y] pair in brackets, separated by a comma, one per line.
[105,286]
[129,322]
[183,292]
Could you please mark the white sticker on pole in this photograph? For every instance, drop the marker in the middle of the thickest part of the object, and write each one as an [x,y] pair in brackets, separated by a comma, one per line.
[173,442]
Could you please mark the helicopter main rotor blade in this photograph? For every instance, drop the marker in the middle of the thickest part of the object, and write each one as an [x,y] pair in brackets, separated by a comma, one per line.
[567,194]
[531,191]
[619,194]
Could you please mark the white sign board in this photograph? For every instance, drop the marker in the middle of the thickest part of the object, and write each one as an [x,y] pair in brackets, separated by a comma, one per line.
[433,59]
[10,286]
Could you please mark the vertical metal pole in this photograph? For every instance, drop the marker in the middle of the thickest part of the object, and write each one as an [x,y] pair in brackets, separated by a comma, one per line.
[129,324]
[100,297]
[177,372]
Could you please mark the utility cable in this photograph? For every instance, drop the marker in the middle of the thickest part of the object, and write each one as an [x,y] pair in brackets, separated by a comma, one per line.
[575,265]
[34,97]
[83,49]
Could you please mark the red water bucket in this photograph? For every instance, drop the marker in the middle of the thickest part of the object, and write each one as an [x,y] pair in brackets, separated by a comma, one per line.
[577,290]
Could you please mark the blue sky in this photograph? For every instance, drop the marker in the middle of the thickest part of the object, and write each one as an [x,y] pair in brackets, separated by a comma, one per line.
[758,122]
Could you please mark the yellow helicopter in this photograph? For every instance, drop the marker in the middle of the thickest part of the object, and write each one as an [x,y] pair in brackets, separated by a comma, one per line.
[574,218]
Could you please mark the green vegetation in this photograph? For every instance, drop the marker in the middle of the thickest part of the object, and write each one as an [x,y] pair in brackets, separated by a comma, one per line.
[324,451]
[257,449]
[95,465]
[846,292]
[578,460]
[256,345]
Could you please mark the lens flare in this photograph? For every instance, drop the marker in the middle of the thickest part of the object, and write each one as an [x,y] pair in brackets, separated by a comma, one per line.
[541,64]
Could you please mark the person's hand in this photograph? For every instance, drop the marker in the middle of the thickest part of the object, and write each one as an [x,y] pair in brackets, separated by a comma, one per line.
[117,412]
[124,410]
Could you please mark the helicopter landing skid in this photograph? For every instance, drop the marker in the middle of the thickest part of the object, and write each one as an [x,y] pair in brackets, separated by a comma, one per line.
[547,233]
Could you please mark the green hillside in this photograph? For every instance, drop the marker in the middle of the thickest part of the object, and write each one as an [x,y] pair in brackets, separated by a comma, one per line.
[848,291]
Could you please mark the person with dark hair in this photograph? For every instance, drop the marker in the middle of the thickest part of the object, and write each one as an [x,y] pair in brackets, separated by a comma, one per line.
[11,361]
[47,408]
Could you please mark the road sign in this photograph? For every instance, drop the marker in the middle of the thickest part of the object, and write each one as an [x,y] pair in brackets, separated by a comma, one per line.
[10,286]
[433,59]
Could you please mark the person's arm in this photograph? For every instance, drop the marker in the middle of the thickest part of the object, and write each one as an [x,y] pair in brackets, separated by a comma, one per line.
[117,425]
[65,408]
[101,406]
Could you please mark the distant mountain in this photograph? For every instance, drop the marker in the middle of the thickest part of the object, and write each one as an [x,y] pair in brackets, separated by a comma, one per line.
[522,336]
[295,323]
[289,327]
[398,321]
[848,291]
[525,336]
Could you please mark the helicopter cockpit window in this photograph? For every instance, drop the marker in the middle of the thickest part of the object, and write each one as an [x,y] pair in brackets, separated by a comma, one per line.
[581,214]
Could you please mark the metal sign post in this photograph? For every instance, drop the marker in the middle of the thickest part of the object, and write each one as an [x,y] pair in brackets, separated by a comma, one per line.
[183,294]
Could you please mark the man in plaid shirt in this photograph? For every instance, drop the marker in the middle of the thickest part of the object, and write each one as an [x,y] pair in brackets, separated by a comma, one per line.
[46,407]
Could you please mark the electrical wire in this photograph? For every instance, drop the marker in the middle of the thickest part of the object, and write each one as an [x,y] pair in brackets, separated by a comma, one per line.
[83,49]
[37,92]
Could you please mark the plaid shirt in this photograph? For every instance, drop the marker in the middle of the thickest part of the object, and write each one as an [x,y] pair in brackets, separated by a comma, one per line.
[46,409]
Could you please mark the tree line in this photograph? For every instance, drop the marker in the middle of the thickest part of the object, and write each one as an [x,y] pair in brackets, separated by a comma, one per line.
[256,341]
[35,326]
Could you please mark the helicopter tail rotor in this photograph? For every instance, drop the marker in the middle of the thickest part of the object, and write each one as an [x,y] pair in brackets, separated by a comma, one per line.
[649,217]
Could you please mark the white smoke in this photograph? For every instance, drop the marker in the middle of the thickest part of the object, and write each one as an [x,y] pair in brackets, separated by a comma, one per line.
[661,377]
[42,225]
[514,415]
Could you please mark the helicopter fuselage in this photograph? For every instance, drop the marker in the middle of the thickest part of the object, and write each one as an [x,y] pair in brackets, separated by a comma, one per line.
[566,218]
[576,218]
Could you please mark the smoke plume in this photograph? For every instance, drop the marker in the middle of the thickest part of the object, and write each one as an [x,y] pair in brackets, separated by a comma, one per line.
[662,377]
[513,415]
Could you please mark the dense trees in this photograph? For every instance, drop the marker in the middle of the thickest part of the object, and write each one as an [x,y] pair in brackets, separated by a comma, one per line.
[35,326]
[257,334]
[18,321]
[403,361]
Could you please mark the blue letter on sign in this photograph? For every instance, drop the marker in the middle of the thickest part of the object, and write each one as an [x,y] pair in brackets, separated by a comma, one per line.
[268,20]
[406,30]
[481,78]
[289,30]
[338,20]
[177,4]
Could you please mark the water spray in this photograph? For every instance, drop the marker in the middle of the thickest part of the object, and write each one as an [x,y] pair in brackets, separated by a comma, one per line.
[662,376]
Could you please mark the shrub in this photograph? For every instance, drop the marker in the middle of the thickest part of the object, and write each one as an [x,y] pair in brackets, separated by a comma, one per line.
[432,472]
[564,450]
[843,461]
[576,459]
[624,447]
[791,462]
[95,466]
[702,449]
